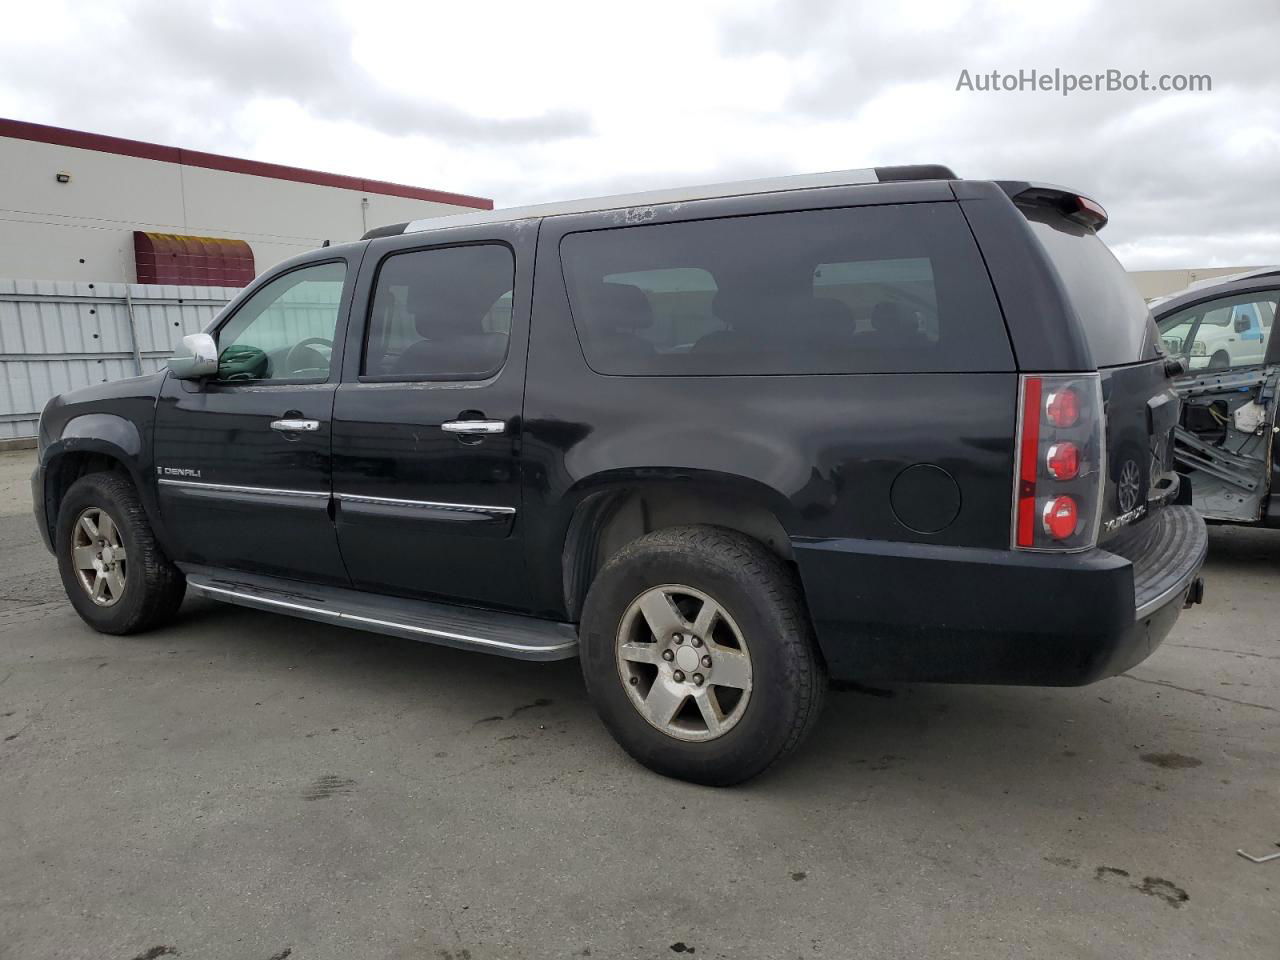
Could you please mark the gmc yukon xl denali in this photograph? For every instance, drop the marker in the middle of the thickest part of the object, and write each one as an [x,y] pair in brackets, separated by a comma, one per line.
[722,443]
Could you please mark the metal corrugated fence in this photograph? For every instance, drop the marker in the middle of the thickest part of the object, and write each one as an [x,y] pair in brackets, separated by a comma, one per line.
[56,336]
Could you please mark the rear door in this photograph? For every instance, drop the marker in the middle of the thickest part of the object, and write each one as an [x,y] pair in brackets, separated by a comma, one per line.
[427,421]
[1225,438]
[1141,407]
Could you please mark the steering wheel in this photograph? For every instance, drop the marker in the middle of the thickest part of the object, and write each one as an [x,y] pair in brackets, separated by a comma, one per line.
[291,365]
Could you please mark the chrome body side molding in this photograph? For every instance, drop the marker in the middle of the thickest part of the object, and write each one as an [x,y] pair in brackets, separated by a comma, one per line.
[474,510]
[422,504]
[233,490]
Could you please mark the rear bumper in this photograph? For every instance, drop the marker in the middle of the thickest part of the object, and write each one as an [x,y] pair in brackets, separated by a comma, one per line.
[905,611]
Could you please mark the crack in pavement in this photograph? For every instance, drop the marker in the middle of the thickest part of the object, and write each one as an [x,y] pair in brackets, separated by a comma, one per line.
[1239,653]
[1201,693]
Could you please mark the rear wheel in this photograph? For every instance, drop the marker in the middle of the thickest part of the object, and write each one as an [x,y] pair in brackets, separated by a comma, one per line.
[115,574]
[698,655]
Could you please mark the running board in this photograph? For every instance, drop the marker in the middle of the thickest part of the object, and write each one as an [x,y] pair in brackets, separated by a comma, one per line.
[505,634]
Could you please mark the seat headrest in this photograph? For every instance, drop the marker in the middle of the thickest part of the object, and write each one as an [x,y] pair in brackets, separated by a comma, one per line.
[624,307]
[438,313]
[744,311]
[832,313]
[889,317]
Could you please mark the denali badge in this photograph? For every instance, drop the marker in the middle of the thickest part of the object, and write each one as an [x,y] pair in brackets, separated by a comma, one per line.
[177,472]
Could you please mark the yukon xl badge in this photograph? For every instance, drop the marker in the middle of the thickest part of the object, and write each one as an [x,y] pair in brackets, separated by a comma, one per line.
[177,472]
[1128,490]
[1115,523]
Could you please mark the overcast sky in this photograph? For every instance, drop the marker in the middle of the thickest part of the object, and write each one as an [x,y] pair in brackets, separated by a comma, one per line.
[547,100]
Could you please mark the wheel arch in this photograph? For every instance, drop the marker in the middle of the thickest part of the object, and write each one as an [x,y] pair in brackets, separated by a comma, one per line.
[91,443]
[611,511]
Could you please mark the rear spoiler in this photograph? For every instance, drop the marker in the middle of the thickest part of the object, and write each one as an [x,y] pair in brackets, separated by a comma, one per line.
[1071,204]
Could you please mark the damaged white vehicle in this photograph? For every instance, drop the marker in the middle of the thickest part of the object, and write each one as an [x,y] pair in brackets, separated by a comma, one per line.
[1225,441]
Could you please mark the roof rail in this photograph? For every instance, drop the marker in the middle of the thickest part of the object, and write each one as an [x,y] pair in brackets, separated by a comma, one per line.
[739,188]
[915,171]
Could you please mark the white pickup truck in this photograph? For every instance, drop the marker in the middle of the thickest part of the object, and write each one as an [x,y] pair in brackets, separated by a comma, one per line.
[1223,335]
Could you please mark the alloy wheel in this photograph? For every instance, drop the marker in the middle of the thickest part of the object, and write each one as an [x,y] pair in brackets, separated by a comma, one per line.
[1129,485]
[684,663]
[99,557]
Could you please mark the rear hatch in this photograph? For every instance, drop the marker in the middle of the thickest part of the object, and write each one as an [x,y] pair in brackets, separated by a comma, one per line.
[1140,406]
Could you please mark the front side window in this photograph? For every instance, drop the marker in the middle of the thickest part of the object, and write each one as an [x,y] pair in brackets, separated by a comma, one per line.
[858,290]
[285,330]
[441,314]
[1219,334]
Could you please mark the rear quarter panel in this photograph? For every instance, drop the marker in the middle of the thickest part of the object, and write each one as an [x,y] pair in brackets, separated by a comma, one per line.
[821,452]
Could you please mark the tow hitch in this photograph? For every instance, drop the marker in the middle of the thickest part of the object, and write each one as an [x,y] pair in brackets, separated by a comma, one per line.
[1195,593]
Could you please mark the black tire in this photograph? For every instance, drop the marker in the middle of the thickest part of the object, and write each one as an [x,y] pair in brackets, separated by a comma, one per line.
[762,595]
[1219,361]
[153,586]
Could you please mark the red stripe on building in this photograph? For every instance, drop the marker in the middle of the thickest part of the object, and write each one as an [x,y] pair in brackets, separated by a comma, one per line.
[61,136]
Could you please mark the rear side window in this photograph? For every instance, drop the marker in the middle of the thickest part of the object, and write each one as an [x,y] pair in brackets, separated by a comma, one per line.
[1116,321]
[856,290]
[442,314]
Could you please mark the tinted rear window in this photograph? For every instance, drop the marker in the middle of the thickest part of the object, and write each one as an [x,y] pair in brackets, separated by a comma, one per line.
[441,314]
[857,290]
[1117,323]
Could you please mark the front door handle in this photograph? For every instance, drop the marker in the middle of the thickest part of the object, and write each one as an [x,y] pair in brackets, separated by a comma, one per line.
[295,426]
[474,426]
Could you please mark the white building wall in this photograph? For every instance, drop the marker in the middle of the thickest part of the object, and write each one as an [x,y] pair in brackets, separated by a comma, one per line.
[1162,283]
[83,230]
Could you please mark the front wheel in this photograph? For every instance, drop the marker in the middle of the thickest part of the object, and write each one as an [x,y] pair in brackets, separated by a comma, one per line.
[698,654]
[115,574]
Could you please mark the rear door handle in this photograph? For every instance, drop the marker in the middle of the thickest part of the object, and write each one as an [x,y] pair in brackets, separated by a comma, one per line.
[295,426]
[474,426]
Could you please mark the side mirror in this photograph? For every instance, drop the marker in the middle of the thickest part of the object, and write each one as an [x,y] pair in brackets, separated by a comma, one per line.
[195,357]
[1242,324]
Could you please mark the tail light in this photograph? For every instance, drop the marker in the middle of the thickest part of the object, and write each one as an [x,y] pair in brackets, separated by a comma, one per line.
[1062,407]
[1057,496]
[1063,460]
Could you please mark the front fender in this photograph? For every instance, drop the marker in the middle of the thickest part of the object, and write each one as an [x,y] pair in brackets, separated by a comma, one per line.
[104,431]
[100,435]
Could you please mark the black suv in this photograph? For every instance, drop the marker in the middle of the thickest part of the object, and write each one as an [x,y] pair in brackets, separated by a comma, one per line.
[721,442]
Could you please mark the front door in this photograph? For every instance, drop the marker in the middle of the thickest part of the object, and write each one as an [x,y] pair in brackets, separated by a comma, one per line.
[427,421]
[243,460]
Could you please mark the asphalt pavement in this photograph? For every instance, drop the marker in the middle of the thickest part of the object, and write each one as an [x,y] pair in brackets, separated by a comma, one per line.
[245,785]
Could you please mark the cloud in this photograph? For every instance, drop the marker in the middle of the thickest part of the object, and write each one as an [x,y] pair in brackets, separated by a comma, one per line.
[208,61]
[529,102]
[270,51]
[1169,167]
